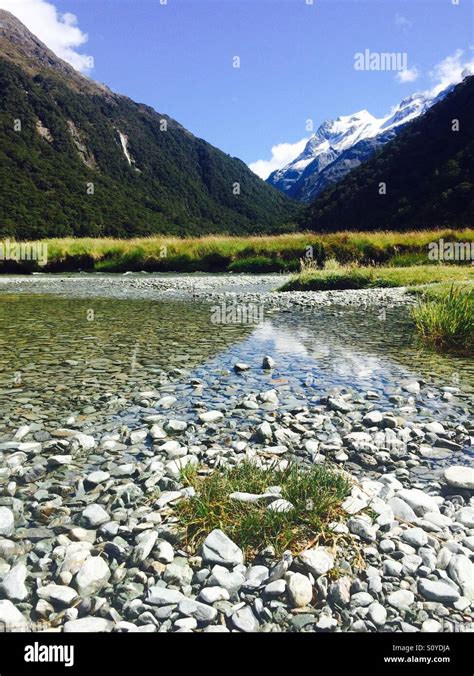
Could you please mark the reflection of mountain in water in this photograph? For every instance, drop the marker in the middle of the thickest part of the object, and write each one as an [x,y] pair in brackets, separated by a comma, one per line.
[348,347]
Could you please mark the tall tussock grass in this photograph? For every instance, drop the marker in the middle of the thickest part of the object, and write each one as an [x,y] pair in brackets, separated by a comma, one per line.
[446,320]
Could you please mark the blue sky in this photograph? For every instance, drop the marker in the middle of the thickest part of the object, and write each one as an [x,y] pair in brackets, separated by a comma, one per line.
[297,59]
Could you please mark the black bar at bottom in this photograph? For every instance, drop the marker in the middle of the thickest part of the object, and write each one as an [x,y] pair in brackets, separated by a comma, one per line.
[136,654]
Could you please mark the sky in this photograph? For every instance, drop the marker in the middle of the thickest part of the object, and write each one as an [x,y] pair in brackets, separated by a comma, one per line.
[295,58]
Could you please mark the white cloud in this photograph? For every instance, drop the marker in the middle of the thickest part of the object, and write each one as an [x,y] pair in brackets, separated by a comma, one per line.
[408,75]
[59,32]
[282,154]
[450,71]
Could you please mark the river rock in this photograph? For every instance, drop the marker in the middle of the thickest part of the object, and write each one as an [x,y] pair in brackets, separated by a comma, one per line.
[96,625]
[10,618]
[7,522]
[218,548]
[92,577]
[146,542]
[401,599]
[438,591]
[178,573]
[13,585]
[200,611]
[461,571]
[466,516]
[460,477]
[164,552]
[377,614]
[244,620]
[317,561]
[419,501]
[210,416]
[162,596]
[57,594]
[402,509]
[211,595]
[300,590]
[95,515]
[416,537]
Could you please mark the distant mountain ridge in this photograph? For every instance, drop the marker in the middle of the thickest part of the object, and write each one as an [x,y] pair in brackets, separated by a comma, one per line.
[340,145]
[423,178]
[78,159]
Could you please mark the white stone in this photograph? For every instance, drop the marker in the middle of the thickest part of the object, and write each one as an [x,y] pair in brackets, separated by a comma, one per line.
[210,416]
[420,502]
[96,625]
[275,589]
[354,505]
[146,542]
[416,537]
[166,402]
[57,594]
[465,516]
[434,427]
[162,596]
[92,577]
[411,386]
[95,515]
[85,440]
[244,620]
[7,522]
[98,477]
[268,362]
[280,505]
[402,509]
[461,571]
[300,590]
[200,611]
[431,626]
[317,561]
[221,577]
[460,477]
[401,599]
[372,418]
[213,594]
[241,366]
[377,614]
[11,619]
[218,548]
[164,552]
[13,583]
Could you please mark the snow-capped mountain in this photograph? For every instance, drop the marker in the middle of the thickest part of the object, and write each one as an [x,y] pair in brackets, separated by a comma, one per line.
[340,145]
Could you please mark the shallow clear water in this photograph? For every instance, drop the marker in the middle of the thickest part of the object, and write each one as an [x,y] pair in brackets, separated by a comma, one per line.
[59,355]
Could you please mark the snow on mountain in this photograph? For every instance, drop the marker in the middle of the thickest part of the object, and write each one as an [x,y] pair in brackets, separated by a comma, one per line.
[334,138]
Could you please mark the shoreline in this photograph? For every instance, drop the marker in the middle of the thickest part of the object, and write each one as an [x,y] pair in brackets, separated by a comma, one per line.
[242,288]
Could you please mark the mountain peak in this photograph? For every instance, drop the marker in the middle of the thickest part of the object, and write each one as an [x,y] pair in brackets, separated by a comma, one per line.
[22,47]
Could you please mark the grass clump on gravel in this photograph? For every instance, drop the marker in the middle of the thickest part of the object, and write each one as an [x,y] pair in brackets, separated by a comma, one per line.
[445,318]
[316,494]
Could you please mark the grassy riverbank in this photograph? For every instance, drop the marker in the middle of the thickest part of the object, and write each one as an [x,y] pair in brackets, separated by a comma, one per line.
[335,276]
[279,253]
